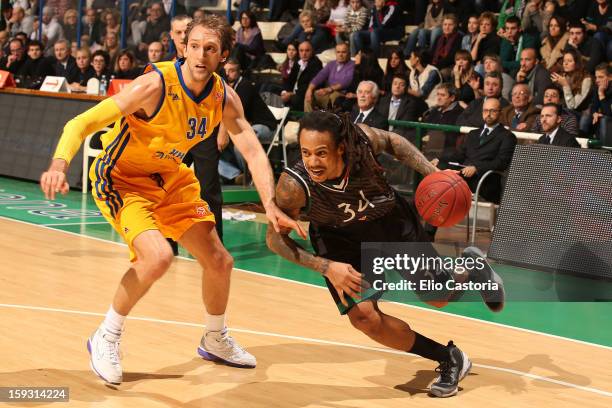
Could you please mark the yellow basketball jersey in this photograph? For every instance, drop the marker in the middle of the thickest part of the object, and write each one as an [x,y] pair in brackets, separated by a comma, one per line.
[181,120]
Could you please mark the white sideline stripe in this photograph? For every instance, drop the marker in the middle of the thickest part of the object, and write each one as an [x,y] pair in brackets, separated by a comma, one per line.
[311,340]
[75,223]
[321,287]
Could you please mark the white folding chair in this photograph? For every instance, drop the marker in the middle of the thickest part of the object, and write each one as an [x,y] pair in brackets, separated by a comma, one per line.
[280,114]
[87,153]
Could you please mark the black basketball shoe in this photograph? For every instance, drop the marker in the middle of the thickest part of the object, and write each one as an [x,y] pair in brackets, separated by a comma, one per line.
[494,299]
[451,372]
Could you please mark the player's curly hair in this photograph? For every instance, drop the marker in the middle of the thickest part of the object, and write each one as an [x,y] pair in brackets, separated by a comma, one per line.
[216,23]
[358,154]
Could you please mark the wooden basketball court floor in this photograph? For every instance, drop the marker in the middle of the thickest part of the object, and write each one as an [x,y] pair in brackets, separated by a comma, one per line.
[61,265]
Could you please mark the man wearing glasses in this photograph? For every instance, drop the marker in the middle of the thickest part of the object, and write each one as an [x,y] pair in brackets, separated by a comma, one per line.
[521,114]
[489,147]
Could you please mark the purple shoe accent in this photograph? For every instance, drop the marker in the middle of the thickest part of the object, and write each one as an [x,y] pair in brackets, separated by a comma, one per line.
[94,369]
[211,357]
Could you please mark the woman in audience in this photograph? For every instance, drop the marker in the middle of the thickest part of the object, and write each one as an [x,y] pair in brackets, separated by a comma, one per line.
[249,46]
[100,63]
[111,21]
[575,80]
[70,25]
[85,72]
[285,69]
[395,66]
[125,67]
[111,46]
[487,41]
[469,39]
[337,15]
[307,30]
[465,79]
[357,17]
[555,41]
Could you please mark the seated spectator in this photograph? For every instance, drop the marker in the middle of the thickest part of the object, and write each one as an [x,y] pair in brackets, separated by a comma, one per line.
[92,27]
[598,21]
[395,66]
[446,112]
[536,16]
[64,64]
[399,105]
[51,30]
[78,83]
[100,61]
[156,24]
[490,147]
[600,111]
[492,62]
[16,58]
[590,49]
[554,43]
[257,114]
[331,82]
[300,76]
[155,52]
[111,46]
[320,10]
[551,127]
[285,70]
[534,74]
[357,17]
[521,113]
[249,47]
[366,69]
[469,39]
[337,15]
[111,25]
[487,41]
[575,81]
[36,67]
[423,76]
[552,94]
[164,39]
[4,38]
[308,31]
[125,66]
[69,26]
[466,80]
[472,115]
[19,22]
[513,42]
[427,32]
[385,25]
[446,46]
[364,112]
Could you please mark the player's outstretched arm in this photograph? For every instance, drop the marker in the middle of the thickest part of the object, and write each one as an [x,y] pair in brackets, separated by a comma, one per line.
[291,198]
[244,138]
[399,147]
[143,95]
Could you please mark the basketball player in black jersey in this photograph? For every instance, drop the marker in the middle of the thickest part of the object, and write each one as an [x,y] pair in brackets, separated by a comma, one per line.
[342,189]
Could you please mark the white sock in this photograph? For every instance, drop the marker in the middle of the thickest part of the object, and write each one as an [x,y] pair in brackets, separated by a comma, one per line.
[113,322]
[215,322]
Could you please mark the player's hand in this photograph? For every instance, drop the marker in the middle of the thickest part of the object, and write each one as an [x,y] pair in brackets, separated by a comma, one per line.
[54,180]
[280,220]
[435,162]
[596,117]
[346,280]
[468,171]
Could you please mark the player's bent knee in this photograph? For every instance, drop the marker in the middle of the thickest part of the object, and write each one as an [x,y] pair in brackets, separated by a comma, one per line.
[221,262]
[368,321]
[155,265]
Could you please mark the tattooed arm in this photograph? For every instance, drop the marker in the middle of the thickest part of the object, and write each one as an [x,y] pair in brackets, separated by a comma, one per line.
[399,147]
[290,198]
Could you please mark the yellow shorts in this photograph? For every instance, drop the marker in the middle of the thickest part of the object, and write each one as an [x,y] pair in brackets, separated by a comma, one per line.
[168,202]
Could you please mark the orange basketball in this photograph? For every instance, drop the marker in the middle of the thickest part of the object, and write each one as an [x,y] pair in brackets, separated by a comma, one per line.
[443,198]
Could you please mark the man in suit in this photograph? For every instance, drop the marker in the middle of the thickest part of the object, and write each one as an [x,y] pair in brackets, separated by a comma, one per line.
[257,114]
[92,27]
[521,114]
[488,148]
[554,135]
[398,105]
[65,64]
[300,76]
[364,112]
[533,74]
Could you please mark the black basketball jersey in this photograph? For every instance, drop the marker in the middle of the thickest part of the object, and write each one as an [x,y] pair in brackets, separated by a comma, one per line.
[350,200]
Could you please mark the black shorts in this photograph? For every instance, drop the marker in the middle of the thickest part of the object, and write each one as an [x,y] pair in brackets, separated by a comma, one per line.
[344,244]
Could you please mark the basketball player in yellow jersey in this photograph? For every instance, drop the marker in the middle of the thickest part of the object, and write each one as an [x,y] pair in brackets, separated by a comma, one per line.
[146,193]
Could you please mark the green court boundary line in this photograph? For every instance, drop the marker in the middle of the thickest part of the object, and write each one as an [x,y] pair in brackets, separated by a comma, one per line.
[324,288]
